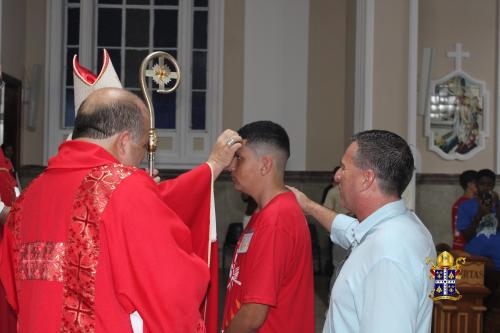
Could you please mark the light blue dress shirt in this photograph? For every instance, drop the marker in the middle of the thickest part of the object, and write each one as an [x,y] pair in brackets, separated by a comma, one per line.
[384,285]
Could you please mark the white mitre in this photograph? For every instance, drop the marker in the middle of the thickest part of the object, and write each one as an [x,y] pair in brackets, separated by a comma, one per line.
[85,82]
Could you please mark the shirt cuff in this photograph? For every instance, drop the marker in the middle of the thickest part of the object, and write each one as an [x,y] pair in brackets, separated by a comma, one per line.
[342,232]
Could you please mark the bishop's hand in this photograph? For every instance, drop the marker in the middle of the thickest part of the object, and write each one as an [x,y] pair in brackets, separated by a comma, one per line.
[223,151]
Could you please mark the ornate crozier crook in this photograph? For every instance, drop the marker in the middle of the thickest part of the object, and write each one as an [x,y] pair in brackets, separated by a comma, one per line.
[161,74]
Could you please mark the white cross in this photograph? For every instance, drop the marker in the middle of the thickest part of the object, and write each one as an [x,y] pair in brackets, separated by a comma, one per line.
[458,54]
[161,76]
[234,272]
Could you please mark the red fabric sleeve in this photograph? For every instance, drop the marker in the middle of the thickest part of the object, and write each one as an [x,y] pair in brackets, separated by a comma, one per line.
[188,195]
[268,257]
[154,268]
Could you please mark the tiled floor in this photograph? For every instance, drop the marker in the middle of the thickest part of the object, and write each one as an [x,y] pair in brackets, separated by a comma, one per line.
[321,291]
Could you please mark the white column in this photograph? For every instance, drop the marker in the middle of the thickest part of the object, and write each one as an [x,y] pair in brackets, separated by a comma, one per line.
[275,69]
[363,81]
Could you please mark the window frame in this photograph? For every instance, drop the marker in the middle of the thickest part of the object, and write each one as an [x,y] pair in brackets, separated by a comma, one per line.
[185,151]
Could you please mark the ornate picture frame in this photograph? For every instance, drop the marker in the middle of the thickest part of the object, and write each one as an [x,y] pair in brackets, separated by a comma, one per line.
[457,114]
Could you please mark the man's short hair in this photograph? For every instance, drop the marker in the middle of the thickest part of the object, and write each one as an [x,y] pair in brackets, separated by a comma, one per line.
[265,132]
[109,118]
[388,155]
[486,173]
[466,177]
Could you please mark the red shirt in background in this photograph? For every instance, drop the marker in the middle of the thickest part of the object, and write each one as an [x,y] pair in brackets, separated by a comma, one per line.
[458,239]
[273,265]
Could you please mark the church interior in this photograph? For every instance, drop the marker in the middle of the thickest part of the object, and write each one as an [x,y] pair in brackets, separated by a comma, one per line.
[428,70]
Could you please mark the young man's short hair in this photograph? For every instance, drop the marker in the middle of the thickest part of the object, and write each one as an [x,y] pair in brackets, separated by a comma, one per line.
[266,132]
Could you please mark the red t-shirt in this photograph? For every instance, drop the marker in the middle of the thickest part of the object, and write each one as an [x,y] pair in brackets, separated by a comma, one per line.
[273,265]
[458,239]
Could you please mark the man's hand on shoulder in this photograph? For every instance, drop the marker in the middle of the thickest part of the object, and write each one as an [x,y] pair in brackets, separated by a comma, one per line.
[322,214]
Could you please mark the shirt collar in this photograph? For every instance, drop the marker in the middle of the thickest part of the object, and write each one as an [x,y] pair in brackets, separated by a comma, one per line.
[76,154]
[382,214]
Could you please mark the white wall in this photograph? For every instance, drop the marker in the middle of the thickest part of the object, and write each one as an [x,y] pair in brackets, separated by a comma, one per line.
[275,69]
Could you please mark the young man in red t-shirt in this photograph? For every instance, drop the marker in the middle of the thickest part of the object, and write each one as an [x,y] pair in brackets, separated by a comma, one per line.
[270,285]
[468,182]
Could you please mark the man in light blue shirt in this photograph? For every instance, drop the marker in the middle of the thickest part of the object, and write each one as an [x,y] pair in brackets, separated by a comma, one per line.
[384,285]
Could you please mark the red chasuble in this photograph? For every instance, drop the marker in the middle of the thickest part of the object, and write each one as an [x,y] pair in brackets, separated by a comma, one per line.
[91,241]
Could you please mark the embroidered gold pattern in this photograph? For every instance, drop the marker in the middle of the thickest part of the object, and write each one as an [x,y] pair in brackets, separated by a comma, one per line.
[82,252]
[14,224]
[41,261]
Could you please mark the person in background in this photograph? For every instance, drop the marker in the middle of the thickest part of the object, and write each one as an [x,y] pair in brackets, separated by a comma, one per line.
[467,181]
[249,209]
[478,217]
[8,195]
[478,221]
[331,200]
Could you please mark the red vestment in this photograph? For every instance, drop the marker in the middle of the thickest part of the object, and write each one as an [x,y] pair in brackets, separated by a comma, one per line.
[90,242]
[7,181]
[7,195]
[272,265]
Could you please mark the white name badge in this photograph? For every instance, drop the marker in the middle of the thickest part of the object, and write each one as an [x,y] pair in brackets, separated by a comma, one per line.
[245,243]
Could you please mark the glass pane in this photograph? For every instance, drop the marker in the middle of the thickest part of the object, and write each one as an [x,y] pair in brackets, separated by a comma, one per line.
[167,2]
[111,1]
[69,111]
[164,105]
[198,111]
[109,27]
[137,30]
[73,26]
[199,70]
[200,30]
[201,3]
[74,1]
[133,59]
[138,2]
[70,52]
[165,28]
[116,59]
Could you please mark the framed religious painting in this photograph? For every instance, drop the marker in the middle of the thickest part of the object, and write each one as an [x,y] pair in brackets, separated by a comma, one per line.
[456,120]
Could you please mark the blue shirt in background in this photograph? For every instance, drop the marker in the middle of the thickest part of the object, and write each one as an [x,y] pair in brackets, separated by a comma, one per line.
[487,240]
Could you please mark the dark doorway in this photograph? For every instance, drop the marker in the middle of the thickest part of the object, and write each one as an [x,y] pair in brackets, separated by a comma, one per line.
[12,117]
